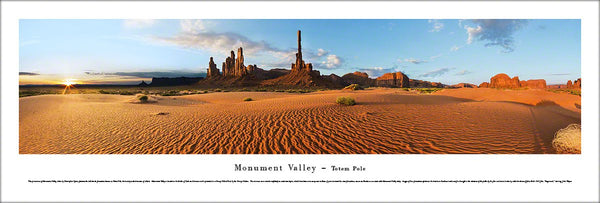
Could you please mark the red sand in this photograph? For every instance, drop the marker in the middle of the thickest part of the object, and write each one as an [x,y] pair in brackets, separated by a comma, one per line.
[384,121]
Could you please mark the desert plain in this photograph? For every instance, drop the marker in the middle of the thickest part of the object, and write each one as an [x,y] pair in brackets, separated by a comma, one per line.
[384,121]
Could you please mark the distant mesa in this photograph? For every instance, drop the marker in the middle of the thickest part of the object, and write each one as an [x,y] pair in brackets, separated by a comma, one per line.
[397,79]
[425,84]
[165,81]
[463,85]
[504,81]
[360,78]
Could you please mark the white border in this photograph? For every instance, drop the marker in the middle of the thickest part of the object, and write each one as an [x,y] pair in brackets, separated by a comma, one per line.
[16,169]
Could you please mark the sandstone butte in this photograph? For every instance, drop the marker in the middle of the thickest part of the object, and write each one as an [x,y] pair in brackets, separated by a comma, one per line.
[397,79]
[504,81]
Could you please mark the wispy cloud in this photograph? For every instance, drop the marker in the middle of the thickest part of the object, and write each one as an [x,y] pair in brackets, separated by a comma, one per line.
[436,72]
[463,72]
[414,61]
[138,23]
[197,35]
[148,74]
[437,25]
[28,73]
[455,48]
[496,32]
[374,72]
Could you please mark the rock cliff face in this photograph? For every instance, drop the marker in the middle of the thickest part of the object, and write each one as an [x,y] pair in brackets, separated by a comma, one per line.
[212,70]
[360,78]
[535,84]
[397,79]
[503,81]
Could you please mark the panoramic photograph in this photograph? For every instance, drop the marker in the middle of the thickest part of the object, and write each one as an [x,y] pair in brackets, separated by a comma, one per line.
[300,86]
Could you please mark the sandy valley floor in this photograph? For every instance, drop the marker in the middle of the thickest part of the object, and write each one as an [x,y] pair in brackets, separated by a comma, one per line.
[384,121]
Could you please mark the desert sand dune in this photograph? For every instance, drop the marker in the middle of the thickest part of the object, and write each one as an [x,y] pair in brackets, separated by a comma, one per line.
[384,121]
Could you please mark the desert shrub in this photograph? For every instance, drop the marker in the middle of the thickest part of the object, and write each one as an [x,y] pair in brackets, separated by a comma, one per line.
[279,90]
[103,92]
[568,140]
[205,91]
[247,99]
[217,90]
[143,98]
[428,90]
[126,93]
[348,101]
[353,87]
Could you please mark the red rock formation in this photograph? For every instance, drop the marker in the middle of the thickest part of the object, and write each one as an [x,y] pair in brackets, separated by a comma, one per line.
[484,85]
[212,70]
[397,79]
[577,83]
[300,65]
[358,78]
[503,81]
[569,84]
[536,84]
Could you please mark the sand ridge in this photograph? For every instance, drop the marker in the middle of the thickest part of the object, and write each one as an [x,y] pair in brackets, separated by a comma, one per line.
[384,121]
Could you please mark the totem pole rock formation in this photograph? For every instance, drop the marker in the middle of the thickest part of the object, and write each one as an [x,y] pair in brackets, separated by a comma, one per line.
[212,70]
[300,65]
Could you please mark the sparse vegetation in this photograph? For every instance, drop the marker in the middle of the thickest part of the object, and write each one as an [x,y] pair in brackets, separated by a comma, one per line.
[568,140]
[348,101]
[427,90]
[143,98]
[354,87]
[570,91]
[247,99]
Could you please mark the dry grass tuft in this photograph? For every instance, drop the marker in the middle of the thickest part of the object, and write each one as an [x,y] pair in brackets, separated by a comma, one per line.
[568,140]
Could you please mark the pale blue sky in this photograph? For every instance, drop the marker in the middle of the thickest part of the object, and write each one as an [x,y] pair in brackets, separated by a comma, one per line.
[448,51]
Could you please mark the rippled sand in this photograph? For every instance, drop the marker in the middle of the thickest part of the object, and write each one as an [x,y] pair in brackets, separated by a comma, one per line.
[384,121]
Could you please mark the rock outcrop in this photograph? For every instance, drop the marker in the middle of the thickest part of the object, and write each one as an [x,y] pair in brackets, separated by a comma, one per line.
[484,85]
[503,81]
[397,79]
[569,84]
[535,84]
[360,78]
[212,70]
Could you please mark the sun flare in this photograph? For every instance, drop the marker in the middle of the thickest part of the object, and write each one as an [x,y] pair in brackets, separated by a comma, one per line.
[68,83]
